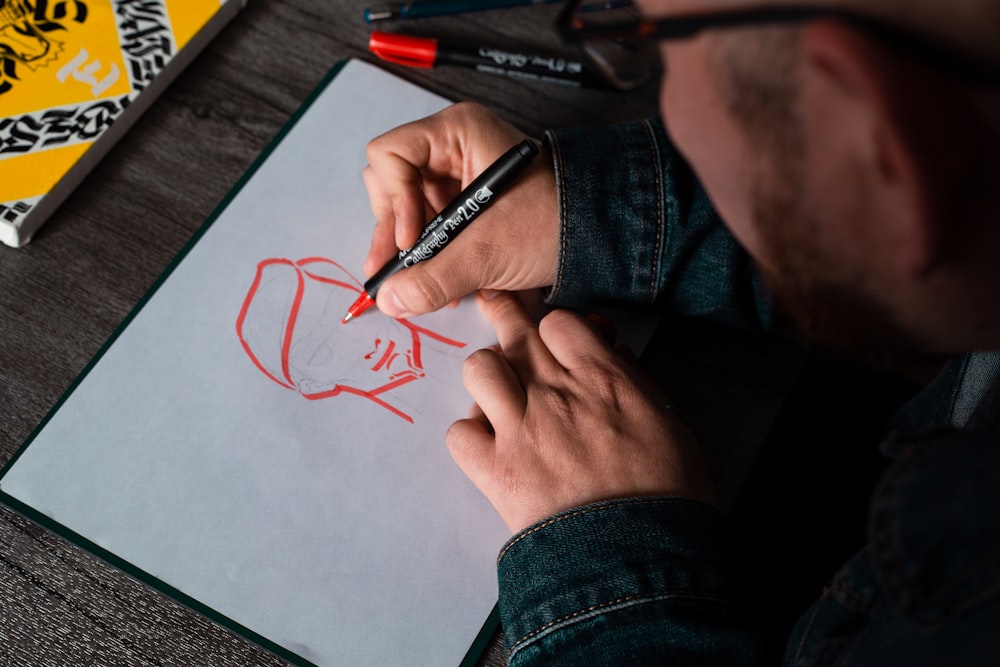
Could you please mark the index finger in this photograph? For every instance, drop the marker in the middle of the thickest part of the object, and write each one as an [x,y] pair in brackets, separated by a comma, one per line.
[516,332]
[574,341]
[383,246]
[398,196]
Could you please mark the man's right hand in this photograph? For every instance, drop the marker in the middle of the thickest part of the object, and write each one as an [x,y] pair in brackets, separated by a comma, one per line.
[415,170]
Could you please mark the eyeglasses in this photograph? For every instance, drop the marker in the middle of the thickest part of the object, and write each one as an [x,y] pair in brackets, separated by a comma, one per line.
[617,27]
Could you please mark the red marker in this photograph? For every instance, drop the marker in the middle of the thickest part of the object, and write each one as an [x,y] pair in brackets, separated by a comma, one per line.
[364,302]
[478,196]
[425,52]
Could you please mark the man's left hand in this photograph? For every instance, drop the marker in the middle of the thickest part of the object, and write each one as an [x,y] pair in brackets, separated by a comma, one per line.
[561,419]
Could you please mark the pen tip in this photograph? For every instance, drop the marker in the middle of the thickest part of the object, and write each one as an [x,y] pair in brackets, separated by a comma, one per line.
[347,318]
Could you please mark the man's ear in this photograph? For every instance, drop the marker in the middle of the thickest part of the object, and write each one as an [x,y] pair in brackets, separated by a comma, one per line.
[853,86]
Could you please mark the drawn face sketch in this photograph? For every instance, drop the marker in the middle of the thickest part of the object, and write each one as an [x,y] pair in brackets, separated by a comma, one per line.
[291,327]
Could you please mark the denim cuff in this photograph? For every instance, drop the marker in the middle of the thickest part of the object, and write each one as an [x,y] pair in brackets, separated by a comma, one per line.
[604,558]
[637,228]
[612,223]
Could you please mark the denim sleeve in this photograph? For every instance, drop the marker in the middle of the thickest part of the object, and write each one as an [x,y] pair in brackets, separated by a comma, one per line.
[637,228]
[635,581]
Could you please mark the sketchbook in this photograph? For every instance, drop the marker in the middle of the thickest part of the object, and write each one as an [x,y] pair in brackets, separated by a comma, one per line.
[237,447]
[75,75]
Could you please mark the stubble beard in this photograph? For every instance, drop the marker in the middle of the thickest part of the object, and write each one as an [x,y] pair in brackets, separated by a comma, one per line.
[824,300]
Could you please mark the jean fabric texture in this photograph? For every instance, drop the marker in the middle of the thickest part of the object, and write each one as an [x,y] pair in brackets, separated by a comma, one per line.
[640,581]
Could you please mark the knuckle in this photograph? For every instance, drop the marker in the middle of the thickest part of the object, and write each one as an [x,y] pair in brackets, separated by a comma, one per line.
[507,315]
[608,388]
[477,361]
[373,150]
[505,305]
[456,435]
[559,319]
[557,323]
[561,405]
[384,222]
[425,291]
[481,256]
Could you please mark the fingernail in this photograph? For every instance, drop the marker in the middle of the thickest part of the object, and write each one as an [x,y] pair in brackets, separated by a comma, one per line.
[391,305]
[489,294]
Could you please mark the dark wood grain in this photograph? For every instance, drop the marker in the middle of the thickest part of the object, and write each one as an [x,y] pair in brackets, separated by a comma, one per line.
[62,295]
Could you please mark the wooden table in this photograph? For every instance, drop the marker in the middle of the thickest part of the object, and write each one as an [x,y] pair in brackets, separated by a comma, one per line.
[62,295]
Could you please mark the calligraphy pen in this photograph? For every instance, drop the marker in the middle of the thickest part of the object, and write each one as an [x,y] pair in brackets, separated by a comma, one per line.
[478,196]
[426,52]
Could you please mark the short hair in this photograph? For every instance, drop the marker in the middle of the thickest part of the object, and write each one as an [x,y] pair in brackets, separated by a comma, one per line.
[756,66]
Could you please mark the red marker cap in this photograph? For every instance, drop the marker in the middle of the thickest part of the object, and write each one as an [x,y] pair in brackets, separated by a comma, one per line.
[403,49]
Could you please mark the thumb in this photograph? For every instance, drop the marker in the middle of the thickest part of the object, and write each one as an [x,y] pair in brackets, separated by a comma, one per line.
[428,286]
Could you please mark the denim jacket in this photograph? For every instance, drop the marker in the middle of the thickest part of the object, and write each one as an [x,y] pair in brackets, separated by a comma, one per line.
[640,581]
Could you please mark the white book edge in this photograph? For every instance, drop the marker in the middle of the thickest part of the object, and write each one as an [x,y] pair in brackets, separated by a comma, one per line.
[16,234]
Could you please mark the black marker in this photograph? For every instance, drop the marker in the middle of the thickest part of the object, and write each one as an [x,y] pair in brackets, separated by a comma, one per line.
[456,216]
[426,52]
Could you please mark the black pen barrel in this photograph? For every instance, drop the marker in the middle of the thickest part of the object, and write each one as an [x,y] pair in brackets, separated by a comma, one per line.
[475,199]
[552,69]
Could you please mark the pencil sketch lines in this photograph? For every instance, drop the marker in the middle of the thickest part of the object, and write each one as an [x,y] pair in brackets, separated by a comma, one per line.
[290,327]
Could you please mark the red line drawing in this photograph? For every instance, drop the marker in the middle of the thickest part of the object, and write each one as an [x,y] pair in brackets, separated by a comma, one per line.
[290,327]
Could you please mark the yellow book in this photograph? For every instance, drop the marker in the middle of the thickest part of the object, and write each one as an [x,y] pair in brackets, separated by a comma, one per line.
[74,75]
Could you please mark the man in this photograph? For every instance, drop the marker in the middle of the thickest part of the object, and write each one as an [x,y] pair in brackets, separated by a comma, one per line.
[853,155]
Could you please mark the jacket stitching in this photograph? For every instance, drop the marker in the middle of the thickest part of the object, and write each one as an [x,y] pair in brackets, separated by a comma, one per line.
[590,509]
[805,635]
[557,161]
[610,605]
[660,223]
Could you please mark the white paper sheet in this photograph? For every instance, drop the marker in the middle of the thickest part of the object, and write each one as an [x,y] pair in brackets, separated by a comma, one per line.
[336,526]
